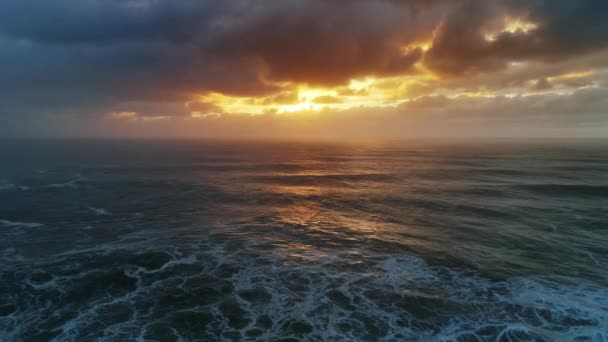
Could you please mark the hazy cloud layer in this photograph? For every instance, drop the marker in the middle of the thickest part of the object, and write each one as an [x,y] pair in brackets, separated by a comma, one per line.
[580,114]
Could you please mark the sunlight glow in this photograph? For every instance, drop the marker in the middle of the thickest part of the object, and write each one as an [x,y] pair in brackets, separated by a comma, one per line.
[512,26]
[293,98]
[572,75]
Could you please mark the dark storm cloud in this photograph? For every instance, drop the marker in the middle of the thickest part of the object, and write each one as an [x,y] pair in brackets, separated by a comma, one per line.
[325,42]
[565,29]
[200,45]
[68,55]
[104,21]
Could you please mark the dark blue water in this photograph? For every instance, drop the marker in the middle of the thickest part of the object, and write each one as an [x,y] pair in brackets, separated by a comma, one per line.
[168,241]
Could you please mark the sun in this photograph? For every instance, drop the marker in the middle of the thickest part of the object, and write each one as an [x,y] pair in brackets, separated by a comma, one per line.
[306,101]
[512,25]
[302,98]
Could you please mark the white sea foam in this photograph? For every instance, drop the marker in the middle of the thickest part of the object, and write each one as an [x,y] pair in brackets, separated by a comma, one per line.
[72,183]
[13,224]
[99,211]
[383,300]
[333,295]
[10,186]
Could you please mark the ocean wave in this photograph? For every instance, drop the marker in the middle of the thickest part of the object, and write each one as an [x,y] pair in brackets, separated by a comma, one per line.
[10,186]
[13,224]
[72,183]
[238,291]
[99,211]
[388,245]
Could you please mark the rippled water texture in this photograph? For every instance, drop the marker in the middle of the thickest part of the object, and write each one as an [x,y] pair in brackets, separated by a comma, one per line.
[266,241]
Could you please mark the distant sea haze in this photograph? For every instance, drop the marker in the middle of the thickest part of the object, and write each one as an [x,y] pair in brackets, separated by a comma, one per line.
[183,241]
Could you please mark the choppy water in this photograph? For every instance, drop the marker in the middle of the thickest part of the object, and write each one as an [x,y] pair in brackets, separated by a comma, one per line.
[265,241]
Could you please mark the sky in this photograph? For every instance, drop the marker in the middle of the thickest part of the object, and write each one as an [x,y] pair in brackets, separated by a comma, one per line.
[309,69]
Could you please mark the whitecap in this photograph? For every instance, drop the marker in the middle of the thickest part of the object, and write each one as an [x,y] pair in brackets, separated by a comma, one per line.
[72,183]
[13,224]
[99,211]
[10,186]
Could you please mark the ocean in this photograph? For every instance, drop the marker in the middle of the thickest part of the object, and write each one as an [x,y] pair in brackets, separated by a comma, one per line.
[204,241]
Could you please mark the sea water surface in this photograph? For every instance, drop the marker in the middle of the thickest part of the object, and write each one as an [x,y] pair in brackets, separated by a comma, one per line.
[187,241]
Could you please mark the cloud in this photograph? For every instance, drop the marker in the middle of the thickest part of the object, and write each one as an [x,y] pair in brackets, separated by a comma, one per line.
[327,99]
[543,84]
[104,22]
[579,114]
[323,42]
[557,30]
[204,107]
[159,58]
